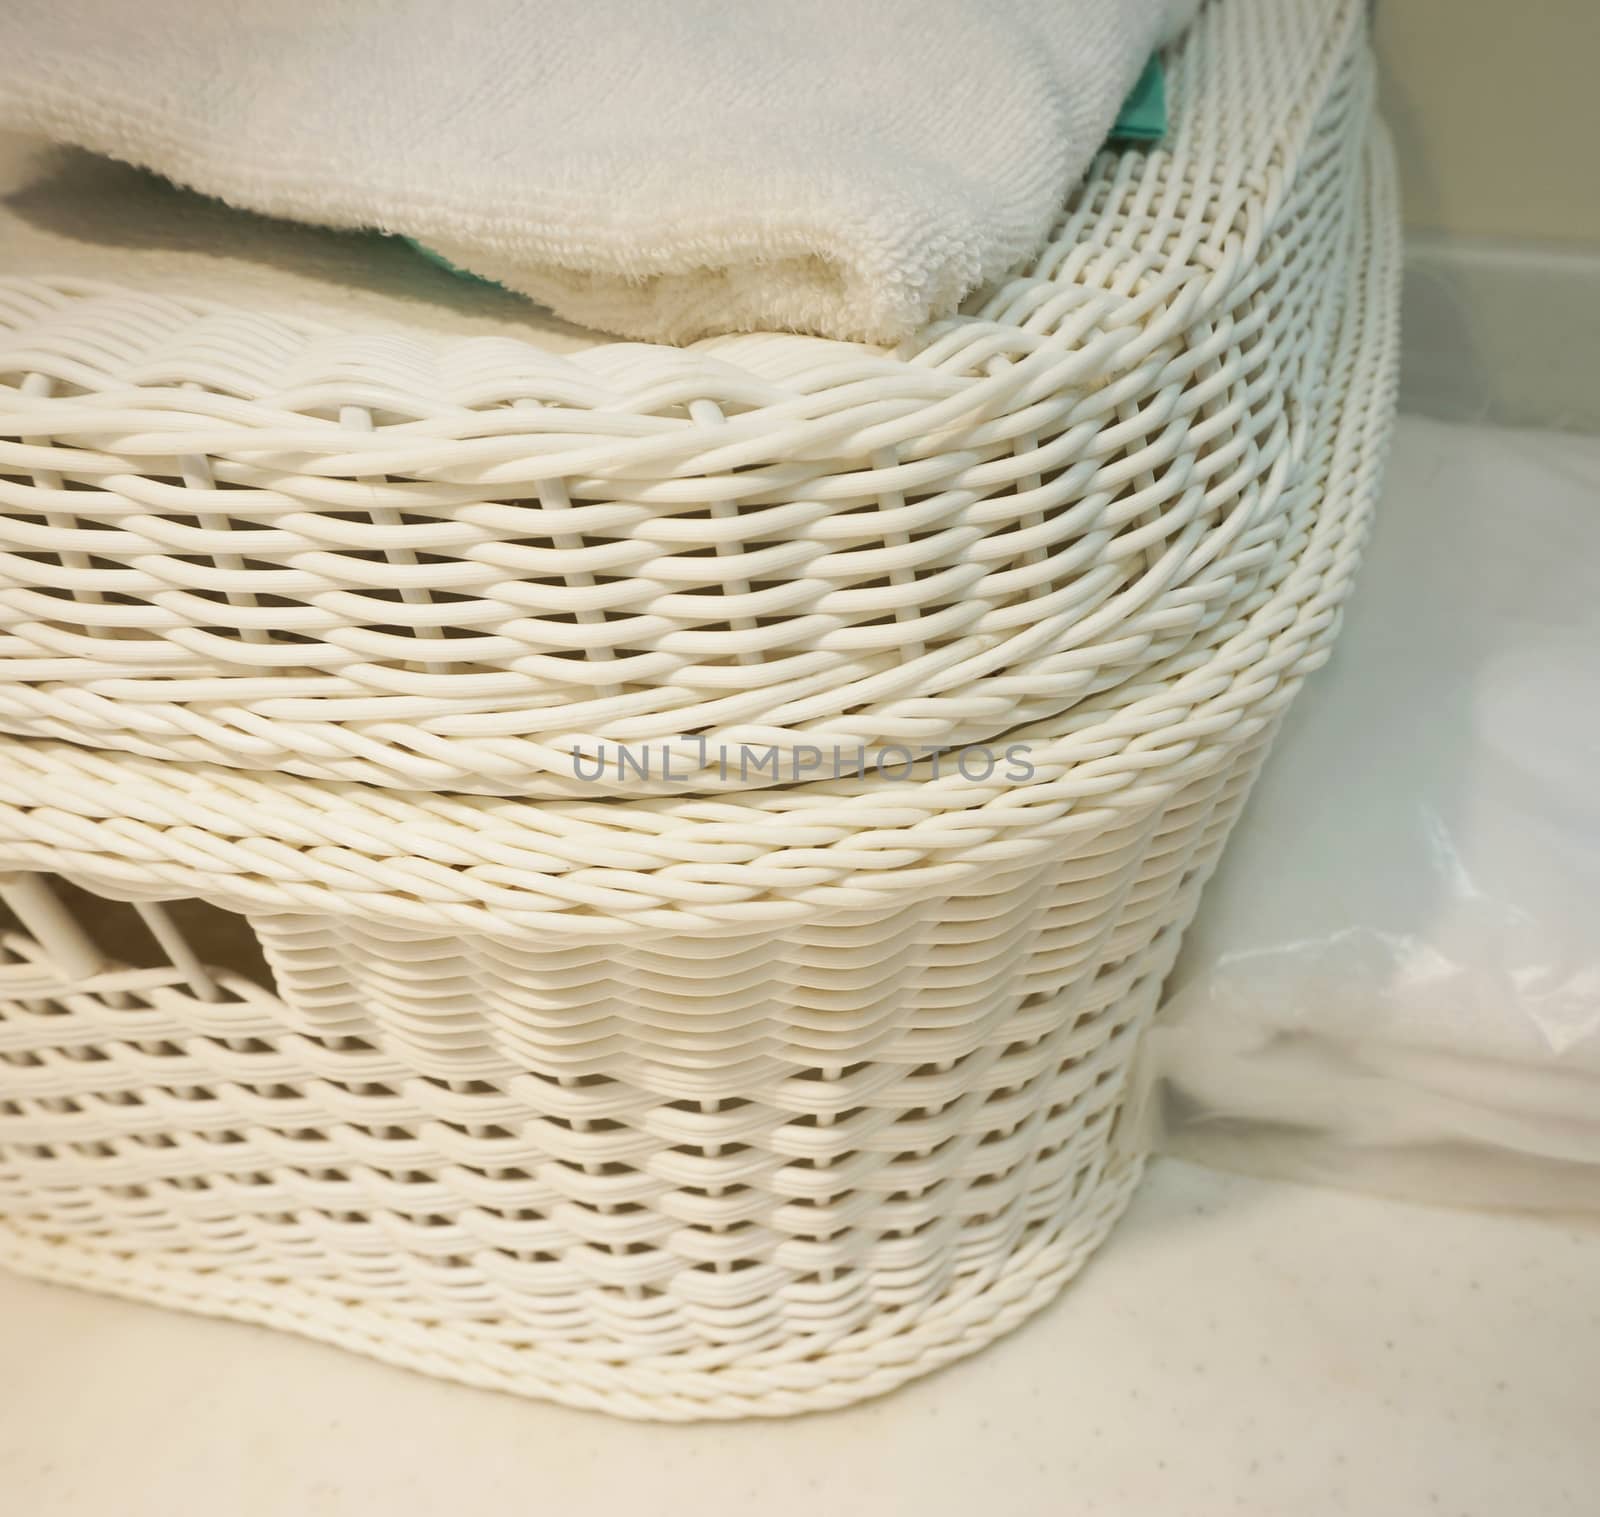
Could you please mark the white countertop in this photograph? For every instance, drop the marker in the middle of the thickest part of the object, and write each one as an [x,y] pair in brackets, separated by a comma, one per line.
[1237,1346]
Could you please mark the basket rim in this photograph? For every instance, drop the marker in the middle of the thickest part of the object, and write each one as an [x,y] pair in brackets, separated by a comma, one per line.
[795,395]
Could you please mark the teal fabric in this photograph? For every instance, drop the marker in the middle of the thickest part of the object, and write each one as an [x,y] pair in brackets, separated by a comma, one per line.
[444,263]
[1143,117]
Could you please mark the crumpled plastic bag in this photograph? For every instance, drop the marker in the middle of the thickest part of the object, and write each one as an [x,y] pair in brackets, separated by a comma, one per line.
[1394,977]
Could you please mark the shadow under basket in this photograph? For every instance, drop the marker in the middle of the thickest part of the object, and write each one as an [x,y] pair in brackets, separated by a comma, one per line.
[558,1170]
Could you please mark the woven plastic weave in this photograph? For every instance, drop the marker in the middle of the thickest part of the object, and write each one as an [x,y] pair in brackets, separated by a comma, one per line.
[678,1105]
[240,539]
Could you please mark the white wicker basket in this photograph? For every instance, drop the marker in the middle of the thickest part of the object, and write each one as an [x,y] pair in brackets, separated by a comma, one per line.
[679,1105]
[233,538]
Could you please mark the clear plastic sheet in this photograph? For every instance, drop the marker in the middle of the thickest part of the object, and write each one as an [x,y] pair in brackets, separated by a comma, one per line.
[1394,979]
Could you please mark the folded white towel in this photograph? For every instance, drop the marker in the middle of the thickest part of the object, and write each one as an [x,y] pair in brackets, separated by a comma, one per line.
[660,170]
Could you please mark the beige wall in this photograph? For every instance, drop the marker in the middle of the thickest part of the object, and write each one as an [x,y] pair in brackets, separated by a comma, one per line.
[1495,109]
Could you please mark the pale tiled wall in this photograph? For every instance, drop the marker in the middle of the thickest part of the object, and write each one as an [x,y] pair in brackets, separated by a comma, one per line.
[1495,109]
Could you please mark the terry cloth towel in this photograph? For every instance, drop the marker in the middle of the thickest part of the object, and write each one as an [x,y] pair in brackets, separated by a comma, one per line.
[661,170]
